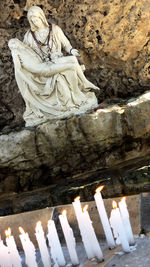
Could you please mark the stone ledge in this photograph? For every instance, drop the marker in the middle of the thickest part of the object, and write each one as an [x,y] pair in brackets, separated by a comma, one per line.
[75,155]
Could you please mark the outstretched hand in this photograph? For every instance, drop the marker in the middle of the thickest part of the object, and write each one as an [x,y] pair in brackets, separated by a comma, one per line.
[75,52]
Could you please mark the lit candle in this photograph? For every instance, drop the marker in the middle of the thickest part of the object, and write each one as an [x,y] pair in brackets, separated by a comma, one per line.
[126,220]
[69,237]
[42,245]
[5,260]
[103,216]
[79,215]
[54,243]
[14,254]
[91,234]
[118,227]
[28,248]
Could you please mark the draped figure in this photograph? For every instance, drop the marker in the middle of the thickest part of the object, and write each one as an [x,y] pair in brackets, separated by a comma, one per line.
[52,85]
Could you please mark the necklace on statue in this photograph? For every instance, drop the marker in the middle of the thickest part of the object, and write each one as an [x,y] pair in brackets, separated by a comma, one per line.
[45,43]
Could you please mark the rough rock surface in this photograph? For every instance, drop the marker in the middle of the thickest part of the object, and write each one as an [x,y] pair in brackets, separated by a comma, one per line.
[112,36]
[52,163]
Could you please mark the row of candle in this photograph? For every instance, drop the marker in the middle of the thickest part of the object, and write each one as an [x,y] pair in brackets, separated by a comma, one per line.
[119,222]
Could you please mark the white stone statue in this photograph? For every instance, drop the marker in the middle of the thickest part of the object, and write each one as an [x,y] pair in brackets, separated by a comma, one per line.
[52,85]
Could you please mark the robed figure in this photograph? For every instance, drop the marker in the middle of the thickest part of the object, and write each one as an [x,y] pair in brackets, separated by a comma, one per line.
[52,85]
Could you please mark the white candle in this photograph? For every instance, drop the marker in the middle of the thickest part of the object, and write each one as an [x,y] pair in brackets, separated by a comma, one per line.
[126,220]
[14,254]
[54,243]
[91,234]
[5,260]
[103,216]
[28,248]
[118,227]
[79,215]
[42,245]
[69,237]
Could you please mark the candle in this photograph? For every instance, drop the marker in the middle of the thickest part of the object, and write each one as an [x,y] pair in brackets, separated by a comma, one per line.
[103,216]
[28,248]
[126,220]
[118,227]
[5,260]
[42,245]
[79,215]
[14,254]
[54,243]
[91,234]
[69,237]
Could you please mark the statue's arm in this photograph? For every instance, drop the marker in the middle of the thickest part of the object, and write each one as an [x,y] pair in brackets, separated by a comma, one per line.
[46,69]
[63,39]
[65,43]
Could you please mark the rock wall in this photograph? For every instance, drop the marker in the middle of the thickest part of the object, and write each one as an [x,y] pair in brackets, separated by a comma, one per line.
[112,36]
[54,162]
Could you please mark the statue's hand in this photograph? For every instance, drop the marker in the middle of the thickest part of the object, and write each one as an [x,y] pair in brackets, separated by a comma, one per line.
[55,55]
[75,52]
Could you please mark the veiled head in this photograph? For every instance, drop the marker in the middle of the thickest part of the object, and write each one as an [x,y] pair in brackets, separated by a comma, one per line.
[14,43]
[36,18]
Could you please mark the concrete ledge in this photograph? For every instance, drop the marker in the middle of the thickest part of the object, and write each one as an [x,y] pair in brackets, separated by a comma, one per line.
[28,219]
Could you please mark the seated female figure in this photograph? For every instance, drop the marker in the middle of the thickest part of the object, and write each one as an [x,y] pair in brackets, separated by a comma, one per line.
[51,89]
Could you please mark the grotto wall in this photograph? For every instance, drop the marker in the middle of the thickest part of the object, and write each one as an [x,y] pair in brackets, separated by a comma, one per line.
[112,36]
[51,163]
[54,162]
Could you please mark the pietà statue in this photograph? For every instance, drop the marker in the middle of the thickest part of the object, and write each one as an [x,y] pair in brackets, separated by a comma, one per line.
[52,85]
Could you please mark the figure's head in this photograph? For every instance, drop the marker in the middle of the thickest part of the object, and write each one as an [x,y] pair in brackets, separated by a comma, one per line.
[14,43]
[36,18]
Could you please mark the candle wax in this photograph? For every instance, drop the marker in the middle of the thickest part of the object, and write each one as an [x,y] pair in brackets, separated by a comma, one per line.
[70,240]
[42,246]
[14,254]
[54,243]
[126,221]
[86,242]
[104,219]
[92,236]
[118,228]
[29,250]
[5,260]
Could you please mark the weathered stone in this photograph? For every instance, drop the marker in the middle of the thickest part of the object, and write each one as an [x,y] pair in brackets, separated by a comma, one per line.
[50,164]
[112,36]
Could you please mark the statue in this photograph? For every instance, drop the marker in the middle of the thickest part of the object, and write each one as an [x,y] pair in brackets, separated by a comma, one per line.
[52,85]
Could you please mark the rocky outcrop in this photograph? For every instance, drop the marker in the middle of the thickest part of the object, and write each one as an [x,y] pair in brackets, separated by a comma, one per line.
[52,163]
[112,36]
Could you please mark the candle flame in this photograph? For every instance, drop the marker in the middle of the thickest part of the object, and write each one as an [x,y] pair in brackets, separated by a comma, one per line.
[85,208]
[8,232]
[123,199]
[99,189]
[21,230]
[64,212]
[77,198]
[114,204]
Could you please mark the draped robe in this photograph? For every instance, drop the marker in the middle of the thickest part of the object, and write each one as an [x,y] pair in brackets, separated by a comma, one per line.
[49,93]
